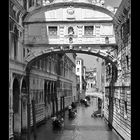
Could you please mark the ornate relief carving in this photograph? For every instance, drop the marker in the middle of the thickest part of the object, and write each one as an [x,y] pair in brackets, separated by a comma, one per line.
[70,12]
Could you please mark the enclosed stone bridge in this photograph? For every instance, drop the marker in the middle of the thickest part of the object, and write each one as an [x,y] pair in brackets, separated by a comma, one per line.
[70,27]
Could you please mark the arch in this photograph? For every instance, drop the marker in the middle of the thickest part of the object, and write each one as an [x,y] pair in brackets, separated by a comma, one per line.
[99,53]
[66,4]
[16,94]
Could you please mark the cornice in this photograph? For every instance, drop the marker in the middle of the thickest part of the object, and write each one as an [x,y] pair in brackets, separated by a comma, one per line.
[67,4]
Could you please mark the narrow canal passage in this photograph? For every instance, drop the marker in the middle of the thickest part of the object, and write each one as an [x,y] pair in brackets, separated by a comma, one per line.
[83,127]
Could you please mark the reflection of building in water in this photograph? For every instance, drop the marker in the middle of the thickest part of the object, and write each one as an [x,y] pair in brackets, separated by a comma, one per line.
[70,31]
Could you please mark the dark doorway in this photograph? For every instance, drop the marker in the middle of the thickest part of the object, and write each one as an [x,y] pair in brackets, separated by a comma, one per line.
[16,114]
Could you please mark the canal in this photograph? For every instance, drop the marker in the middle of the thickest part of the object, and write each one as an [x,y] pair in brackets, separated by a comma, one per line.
[83,127]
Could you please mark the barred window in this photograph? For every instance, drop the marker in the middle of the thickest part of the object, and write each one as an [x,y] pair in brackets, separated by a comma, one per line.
[52,30]
[88,30]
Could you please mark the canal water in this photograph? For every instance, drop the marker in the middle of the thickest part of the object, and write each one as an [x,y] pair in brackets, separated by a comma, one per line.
[83,127]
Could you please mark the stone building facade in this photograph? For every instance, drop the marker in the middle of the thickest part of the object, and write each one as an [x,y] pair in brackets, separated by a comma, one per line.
[121,117]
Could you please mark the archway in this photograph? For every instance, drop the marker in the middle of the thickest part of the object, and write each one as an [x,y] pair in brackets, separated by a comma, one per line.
[36,56]
[16,111]
[24,105]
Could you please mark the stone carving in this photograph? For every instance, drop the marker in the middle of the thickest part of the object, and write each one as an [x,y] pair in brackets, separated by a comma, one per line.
[70,12]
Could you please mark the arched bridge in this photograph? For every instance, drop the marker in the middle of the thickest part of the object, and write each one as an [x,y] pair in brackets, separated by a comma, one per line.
[104,54]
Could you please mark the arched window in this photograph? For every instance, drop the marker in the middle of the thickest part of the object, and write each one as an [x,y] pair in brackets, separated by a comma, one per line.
[70,31]
[16,93]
